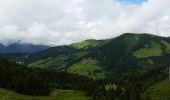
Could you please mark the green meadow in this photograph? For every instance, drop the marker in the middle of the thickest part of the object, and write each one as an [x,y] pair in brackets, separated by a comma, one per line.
[55,95]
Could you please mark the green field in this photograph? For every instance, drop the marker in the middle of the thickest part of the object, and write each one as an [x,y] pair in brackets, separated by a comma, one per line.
[55,95]
[151,49]
[87,67]
[159,91]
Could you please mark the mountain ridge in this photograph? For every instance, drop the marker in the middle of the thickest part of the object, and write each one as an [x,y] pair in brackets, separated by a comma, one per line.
[21,48]
[127,52]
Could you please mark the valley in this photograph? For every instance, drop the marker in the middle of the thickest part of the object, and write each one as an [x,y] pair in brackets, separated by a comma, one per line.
[128,67]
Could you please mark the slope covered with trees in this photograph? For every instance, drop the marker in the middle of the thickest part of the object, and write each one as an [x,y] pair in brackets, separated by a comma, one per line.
[22,79]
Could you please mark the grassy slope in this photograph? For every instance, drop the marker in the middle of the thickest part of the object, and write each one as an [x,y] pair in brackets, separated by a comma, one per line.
[55,95]
[59,61]
[49,62]
[92,43]
[151,49]
[87,67]
[160,90]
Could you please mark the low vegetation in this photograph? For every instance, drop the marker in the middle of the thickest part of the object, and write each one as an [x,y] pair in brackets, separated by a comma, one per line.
[87,67]
[159,91]
[55,95]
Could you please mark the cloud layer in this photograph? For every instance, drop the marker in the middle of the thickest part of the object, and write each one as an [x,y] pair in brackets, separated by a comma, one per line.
[57,22]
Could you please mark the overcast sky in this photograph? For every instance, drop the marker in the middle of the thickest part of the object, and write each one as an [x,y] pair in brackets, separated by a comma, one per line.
[58,22]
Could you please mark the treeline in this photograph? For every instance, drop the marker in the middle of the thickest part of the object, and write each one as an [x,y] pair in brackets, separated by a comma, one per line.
[96,89]
[22,79]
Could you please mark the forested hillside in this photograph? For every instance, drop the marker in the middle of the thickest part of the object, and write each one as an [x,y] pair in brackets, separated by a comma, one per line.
[22,79]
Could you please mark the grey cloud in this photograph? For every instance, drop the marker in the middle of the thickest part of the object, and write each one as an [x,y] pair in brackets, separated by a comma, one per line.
[57,22]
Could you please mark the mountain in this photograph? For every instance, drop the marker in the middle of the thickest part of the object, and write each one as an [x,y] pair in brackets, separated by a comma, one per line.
[119,51]
[126,53]
[21,48]
[134,65]
[63,56]
[83,46]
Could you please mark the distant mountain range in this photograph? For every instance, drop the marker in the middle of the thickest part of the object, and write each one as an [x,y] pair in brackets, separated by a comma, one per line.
[21,48]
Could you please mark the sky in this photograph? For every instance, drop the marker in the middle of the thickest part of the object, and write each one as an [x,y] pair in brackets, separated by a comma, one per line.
[132,1]
[60,22]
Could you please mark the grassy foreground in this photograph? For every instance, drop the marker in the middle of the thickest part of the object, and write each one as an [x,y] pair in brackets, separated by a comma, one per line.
[55,95]
[159,91]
